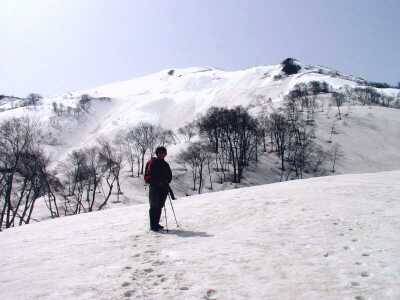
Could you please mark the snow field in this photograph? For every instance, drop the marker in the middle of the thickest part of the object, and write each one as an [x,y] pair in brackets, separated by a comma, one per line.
[321,238]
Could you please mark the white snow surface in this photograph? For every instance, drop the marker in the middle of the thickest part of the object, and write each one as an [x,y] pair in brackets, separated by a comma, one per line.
[323,238]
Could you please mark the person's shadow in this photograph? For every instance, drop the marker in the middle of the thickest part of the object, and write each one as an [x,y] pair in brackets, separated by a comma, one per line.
[188,233]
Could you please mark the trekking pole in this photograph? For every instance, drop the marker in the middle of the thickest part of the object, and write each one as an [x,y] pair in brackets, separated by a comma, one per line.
[166,222]
[170,201]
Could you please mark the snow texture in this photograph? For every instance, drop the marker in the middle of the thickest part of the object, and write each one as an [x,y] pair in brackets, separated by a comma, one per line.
[322,238]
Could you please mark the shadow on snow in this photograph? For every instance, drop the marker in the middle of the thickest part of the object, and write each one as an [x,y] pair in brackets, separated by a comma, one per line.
[188,233]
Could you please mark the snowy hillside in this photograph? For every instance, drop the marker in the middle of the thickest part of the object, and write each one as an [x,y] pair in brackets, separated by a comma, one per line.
[7,102]
[322,238]
[368,136]
[173,98]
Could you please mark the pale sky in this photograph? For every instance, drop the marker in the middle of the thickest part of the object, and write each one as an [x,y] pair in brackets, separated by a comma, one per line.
[54,46]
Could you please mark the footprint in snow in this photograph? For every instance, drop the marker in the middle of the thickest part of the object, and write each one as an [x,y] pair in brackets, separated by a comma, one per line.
[365,254]
[161,277]
[355,283]
[211,294]
[364,274]
[125,284]
[359,298]
[157,263]
[129,294]
[148,270]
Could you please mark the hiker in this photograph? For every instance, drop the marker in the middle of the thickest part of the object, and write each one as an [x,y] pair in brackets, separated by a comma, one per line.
[158,174]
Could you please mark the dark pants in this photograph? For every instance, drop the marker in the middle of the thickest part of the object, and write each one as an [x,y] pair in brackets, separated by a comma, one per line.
[157,197]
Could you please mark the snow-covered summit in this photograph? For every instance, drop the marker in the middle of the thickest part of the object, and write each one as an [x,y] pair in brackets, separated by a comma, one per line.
[278,241]
[174,97]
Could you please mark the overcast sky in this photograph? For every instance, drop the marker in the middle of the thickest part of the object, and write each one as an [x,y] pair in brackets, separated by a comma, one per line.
[53,46]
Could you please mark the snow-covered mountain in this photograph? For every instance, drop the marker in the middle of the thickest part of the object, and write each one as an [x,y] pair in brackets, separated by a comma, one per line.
[323,238]
[369,136]
[175,97]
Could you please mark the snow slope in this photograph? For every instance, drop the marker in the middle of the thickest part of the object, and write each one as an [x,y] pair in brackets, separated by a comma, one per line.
[173,100]
[321,238]
[168,99]
[369,138]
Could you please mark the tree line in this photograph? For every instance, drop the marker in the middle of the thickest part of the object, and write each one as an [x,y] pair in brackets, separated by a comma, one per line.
[231,140]
[24,174]
[84,182]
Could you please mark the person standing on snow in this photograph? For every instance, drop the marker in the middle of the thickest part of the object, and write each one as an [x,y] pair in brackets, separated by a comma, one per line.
[159,175]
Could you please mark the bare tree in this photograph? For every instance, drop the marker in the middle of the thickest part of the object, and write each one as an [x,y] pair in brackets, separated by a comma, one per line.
[332,131]
[111,164]
[302,153]
[188,131]
[264,128]
[84,102]
[143,139]
[164,137]
[280,132]
[95,175]
[233,134]
[189,156]
[125,140]
[23,171]
[55,107]
[335,153]
[77,181]
[143,135]
[89,172]
[33,99]
[339,99]
[198,156]
[367,95]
